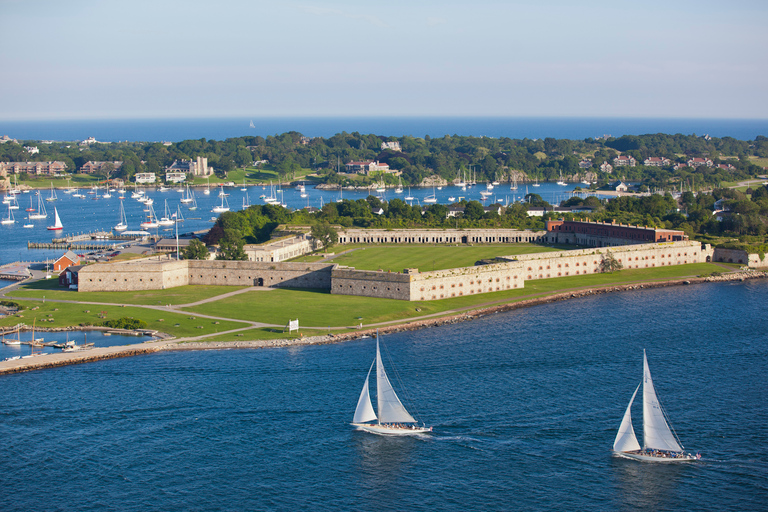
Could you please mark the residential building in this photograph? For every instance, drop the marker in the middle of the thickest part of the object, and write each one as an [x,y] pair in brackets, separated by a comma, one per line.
[367,167]
[618,186]
[175,177]
[37,168]
[145,177]
[624,161]
[92,167]
[698,162]
[198,167]
[66,260]
[656,161]
[32,150]
[68,277]
[606,167]
[585,164]
[394,146]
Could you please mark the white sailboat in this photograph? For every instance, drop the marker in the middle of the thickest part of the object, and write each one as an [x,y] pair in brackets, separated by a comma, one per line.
[193,206]
[244,187]
[224,206]
[409,197]
[660,444]
[151,221]
[207,190]
[123,224]
[561,182]
[399,189]
[166,219]
[9,219]
[252,125]
[52,197]
[187,197]
[246,202]
[393,418]
[14,204]
[57,225]
[432,198]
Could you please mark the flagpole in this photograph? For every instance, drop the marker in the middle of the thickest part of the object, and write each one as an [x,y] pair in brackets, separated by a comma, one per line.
[176,221]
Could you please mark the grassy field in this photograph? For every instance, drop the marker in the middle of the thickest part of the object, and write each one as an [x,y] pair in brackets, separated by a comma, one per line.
[182,295]
[425,257]
[63,314]
[320,309]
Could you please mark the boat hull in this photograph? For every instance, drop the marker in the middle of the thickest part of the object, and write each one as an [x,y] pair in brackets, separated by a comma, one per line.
[390,430]
[650,458]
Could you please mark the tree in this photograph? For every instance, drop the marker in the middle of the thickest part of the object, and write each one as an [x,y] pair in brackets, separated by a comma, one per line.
[196,250]
[610,263]
[231,245]
[324,233]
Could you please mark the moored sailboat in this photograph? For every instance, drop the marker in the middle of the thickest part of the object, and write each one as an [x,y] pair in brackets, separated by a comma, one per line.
[660,444]
[392,418]
[123,224]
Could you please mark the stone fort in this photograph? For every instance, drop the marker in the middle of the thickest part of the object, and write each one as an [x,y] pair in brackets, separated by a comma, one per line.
[632,246]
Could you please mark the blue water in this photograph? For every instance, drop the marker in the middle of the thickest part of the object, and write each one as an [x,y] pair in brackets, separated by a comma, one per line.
[513,127]
[88,215]
[525,407]
[98,338]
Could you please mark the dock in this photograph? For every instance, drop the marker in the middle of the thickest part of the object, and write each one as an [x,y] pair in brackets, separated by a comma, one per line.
[64,246]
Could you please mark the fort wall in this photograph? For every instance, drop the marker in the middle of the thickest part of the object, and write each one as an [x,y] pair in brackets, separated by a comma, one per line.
[439,236]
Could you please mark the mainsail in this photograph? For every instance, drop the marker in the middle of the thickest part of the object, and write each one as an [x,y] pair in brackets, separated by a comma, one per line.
[390,408]
[364,411]
[626,441]
[656,432]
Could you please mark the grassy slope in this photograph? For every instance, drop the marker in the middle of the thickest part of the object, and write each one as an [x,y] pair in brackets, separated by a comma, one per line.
[427,257]
[181,295]
[320,309]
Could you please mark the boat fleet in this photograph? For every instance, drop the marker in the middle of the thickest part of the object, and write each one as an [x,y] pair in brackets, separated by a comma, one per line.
[660,442]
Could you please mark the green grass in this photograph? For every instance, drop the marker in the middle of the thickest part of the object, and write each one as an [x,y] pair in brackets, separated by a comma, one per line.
[427,257]
[69,314]
[320,309]
[49,288]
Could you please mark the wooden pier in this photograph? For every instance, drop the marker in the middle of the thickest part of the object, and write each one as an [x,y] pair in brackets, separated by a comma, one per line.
[72,246]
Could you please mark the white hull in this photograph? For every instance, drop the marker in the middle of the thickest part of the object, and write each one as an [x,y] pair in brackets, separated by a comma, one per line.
[687,457]
[390,430]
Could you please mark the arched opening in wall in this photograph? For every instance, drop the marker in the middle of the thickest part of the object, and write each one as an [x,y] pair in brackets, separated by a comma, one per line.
[464,239]
[708,259]
[259,281]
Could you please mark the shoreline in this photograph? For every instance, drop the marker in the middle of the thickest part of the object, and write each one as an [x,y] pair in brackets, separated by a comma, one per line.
[55,360]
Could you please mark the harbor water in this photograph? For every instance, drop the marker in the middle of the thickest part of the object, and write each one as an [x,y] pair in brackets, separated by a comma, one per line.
[525,406]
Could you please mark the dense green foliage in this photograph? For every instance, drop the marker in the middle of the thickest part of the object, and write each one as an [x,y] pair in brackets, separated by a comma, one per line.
[449,156]
[196,250]
[126,323]
[11,304]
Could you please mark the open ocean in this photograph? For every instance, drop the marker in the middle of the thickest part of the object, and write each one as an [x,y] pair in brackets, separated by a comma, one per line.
[525,407]
[175,130]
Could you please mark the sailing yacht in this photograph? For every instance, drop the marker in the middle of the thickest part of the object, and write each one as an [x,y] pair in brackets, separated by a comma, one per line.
[123,224]
[399,189]
[14,204]
[151,221]
[561,182]
[52,197]
[187,197]
[432,198]
[57,225]
[409,197]
[9,219]
[224,206]
[660,443]
[244,187]
[536,182]
[207,190]
[393,418]
[166,219]
[246,202]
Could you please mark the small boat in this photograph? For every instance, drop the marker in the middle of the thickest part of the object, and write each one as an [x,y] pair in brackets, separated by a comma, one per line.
[452,199]
[151,221]
[393,418]
[14,204]
[207,190]
[76,193]
[244,187]
[52,197]
[166,219]
[31,206]
[246,202]
[409,197]
[660,444]
[123,224]
[224,206]
[432,198]
[57,226]
[561,182]
[399,189]
[252,125]
[9,219]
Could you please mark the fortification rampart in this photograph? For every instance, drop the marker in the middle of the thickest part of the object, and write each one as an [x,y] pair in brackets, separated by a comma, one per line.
[739,256]
[439,236]
[366,283]
[133,276]
[253,273]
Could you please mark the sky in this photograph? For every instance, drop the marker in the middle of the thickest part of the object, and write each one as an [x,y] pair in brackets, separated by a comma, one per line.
[89,59]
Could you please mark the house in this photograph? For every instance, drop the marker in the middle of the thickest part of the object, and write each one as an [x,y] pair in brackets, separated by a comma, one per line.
[68,259]
[198,167]
[175,177]
[618,186]
[38,168]
[727,167]
[394,146]
[68,277]
[624,161]
[145,177]
[656,161]
[93,167]
[585,164]
[455,211]
[32,149]
[169,244]
[698,162]
[606,167]
[366,167]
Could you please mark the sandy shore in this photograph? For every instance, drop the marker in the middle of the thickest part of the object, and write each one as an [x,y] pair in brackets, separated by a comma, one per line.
[97,354]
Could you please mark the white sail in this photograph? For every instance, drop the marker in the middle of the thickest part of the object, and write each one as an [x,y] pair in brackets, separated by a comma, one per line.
[656,433]
[390,408]
[57,221]
[364,411]
[626,441]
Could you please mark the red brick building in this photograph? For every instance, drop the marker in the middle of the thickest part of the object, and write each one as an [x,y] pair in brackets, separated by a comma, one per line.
[600,234]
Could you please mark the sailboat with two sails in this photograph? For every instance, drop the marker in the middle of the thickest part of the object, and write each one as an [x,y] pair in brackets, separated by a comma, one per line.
[393,418]
[660,443]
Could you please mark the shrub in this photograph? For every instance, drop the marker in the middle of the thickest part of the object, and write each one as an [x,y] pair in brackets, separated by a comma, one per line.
[126,323]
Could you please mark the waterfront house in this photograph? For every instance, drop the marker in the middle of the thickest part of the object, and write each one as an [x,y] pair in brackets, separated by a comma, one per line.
[66,260]
[37,168]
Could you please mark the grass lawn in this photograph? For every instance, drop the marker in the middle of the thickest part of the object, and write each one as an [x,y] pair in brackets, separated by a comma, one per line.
[49,288]
[427,257]
[63,314]
[320,309]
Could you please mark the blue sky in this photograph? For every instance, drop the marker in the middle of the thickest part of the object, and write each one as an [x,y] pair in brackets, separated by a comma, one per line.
[92,59]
